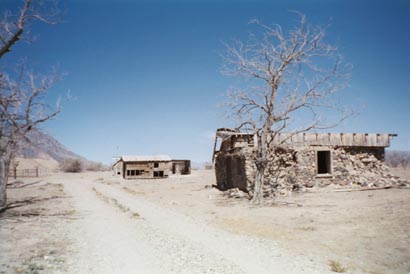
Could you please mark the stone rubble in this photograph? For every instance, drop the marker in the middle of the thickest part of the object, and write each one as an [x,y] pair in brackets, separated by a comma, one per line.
[294,170]
[236,193]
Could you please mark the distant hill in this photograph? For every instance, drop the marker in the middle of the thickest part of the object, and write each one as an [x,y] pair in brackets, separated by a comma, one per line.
[44,146]
[45,149]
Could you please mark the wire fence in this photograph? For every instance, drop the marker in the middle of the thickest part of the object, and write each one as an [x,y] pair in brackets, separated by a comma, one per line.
[27,172]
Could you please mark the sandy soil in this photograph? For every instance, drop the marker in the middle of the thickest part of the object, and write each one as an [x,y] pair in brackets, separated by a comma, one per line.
[97,223]
[33,237]
[404,173]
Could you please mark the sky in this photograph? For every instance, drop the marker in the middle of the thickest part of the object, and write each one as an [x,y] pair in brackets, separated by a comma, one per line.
[143,77]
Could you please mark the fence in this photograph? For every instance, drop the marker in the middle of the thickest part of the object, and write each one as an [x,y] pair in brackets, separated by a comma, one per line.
[27,172]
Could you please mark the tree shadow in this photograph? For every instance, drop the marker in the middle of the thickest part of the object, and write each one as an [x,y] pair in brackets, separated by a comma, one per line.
[25,202]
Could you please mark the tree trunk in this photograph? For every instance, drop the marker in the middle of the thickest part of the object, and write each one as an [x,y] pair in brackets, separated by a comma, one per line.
[3,183]
[261,163]
[258,189]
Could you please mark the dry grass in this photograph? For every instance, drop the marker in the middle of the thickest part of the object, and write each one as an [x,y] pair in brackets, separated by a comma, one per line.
[337,267]
[117,204]
[307,228]
[133,192]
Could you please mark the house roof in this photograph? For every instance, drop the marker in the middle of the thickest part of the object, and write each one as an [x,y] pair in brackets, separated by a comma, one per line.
[318,139]
[335,139]
[145,158]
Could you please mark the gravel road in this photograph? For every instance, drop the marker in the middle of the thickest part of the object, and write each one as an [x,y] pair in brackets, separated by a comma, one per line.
[118,232]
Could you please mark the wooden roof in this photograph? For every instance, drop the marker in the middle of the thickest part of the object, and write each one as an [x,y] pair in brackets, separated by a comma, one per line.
[335,139]
[145,158]
[321,139]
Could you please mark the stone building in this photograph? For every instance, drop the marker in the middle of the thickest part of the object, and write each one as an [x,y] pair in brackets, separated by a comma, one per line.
[303,160]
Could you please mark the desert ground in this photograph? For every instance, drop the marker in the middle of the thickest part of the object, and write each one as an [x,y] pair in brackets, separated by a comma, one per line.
[99,223]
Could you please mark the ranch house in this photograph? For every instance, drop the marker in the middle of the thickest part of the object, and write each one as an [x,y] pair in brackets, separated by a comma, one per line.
[134,167]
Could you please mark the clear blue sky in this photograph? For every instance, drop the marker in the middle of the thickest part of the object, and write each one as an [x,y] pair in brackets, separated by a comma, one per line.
[145,74]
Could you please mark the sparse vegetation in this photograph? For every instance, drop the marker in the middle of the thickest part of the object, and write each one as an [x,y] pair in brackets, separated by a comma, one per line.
[337,267]
[117,204]
[132,191]
[395,158]
[307,228]
[106,182]
[34,269]
[71,165]
[95,167]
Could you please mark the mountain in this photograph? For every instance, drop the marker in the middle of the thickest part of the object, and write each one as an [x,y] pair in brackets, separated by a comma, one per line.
[44,146]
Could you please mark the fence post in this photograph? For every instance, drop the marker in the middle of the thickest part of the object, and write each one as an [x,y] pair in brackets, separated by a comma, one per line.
[36,171]
[3,183]
[15,172]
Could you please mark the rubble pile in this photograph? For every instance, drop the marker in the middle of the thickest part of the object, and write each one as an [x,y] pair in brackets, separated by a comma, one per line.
[236,193]
[295,170]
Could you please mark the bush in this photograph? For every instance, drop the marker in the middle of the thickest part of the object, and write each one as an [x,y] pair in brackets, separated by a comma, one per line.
[95,167]
[71,165]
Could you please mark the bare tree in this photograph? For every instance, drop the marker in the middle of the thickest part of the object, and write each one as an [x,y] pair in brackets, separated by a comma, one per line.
[396,158]
[405,159]
[14,25]
[290,82]
[393,158]
[22,106]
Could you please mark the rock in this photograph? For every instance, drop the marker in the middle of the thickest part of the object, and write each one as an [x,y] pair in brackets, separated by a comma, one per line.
[237,193]
[296,187]
[310,184]
[364,184]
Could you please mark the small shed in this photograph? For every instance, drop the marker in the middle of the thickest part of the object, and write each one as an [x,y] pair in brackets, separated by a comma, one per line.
[137,166]
[182,167]
[117,167]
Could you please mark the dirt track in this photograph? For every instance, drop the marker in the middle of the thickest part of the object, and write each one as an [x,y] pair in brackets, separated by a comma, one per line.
[103,224]
[112,238]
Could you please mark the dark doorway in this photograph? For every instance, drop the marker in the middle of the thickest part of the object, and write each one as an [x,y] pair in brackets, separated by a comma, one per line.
[323,162]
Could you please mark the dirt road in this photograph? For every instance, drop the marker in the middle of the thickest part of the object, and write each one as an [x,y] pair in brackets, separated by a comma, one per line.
[121,233]
[98,223]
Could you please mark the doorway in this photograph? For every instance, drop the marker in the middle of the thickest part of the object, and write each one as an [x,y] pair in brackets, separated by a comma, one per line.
[323,162]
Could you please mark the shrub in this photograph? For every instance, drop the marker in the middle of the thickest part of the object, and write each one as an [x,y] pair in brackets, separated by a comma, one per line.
[95,167]
[71,165]
[337,267]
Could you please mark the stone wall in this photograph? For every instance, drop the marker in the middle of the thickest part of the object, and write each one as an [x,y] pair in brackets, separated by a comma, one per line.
[296,169]
[230,169]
